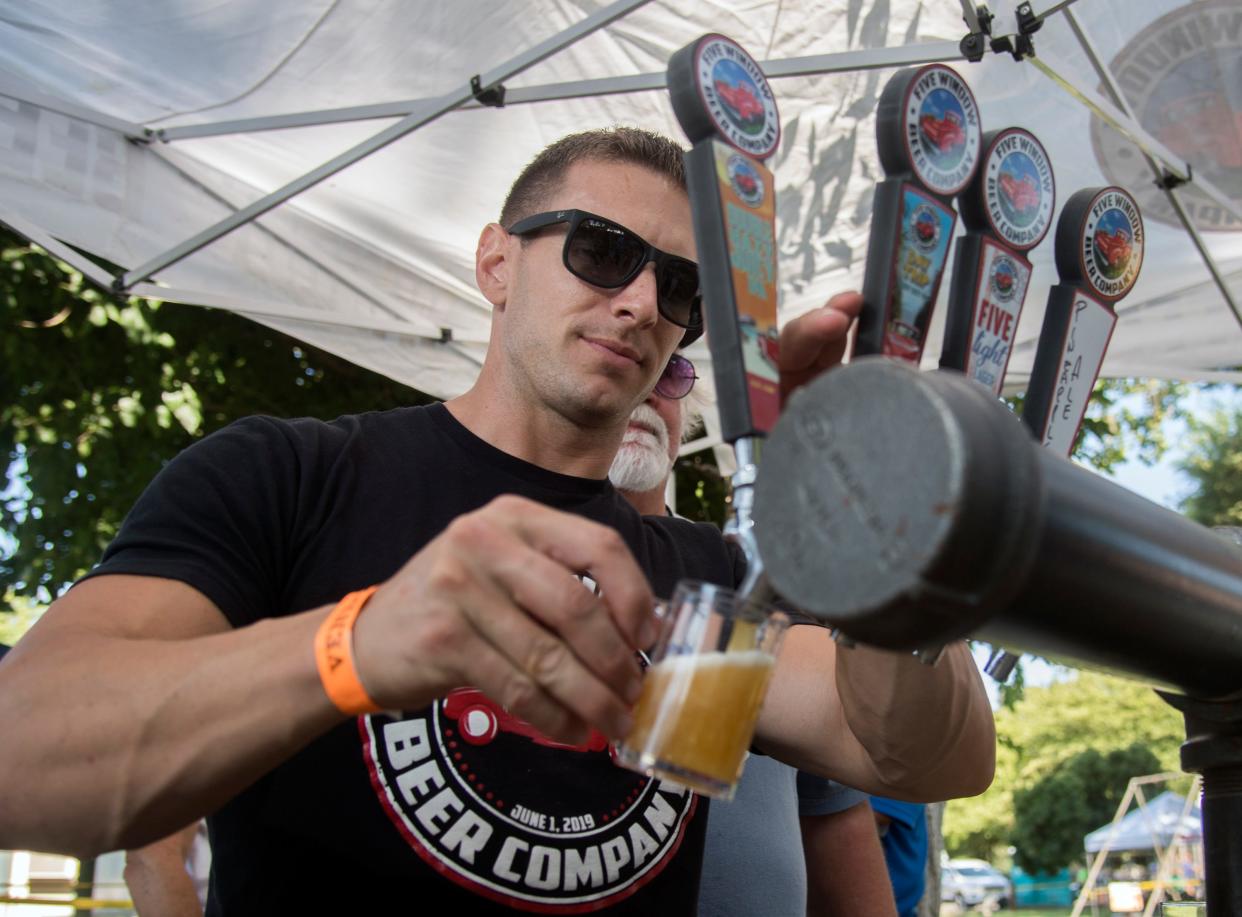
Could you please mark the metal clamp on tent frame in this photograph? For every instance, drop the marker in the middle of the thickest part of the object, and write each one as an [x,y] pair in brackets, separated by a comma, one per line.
[493,96]
[975,44]
[1169,180]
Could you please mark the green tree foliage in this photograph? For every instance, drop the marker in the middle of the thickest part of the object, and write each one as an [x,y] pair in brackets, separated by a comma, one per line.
[1214,465]
[1048,727]
[97,393]
[1080,794]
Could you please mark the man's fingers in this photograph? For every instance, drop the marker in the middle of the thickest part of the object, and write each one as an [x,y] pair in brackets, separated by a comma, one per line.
[817,341]
[546,672]
[543,589]
[582,546]
[497,677]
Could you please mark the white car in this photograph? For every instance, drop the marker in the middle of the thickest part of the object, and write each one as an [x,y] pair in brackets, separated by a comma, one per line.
[970,883]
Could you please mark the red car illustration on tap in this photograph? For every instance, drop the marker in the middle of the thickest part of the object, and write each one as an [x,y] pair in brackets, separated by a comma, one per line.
[746,183]
[480,719]
[1114,246]
[1022,193]
[742,99]
[945,133]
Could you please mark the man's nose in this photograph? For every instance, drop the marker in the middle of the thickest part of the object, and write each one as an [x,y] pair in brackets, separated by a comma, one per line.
[638,298]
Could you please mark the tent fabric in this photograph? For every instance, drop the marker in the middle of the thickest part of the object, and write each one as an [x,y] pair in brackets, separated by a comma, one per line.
[376,262]
[1159,822]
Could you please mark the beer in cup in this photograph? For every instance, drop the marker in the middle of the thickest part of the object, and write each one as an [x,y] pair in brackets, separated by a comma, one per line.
[703,691]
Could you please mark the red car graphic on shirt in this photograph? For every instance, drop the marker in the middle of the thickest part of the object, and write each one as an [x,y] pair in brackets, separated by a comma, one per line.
[741,99]
[1022,193]
[480,719]
[946,132]
[1114,246]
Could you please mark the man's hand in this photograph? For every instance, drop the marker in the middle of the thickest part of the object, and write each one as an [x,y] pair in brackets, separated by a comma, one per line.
[494,603]
[816,341]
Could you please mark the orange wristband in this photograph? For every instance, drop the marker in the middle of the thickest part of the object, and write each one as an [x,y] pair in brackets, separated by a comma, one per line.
[334,654]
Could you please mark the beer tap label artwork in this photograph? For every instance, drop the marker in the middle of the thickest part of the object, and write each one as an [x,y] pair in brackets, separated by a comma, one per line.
[1086,340]
[1019,191]
[999,294]
[737,97]
[922,248]
[942,130]
[1112,244]
[454,780]
[748,202]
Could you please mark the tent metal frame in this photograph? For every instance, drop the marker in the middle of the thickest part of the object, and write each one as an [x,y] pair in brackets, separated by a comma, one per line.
[1134,792]
[488,89]
[811,65]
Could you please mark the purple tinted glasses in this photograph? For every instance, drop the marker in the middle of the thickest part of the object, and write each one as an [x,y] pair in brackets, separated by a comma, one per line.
[677,379]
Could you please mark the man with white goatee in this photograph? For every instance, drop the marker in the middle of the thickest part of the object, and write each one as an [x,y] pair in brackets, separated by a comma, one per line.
[753,864]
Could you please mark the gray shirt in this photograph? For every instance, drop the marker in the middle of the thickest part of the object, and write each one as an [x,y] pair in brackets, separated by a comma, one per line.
[753,865]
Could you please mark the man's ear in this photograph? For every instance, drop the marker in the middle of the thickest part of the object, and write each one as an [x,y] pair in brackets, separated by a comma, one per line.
[491,264]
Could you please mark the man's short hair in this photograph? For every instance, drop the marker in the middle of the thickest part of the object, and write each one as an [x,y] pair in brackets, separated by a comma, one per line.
[543,175]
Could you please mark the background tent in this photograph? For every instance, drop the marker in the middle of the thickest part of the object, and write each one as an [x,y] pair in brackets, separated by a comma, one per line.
[129,127]
[1159,822]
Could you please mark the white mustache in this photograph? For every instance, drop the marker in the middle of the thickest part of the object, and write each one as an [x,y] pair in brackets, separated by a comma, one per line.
[645,416]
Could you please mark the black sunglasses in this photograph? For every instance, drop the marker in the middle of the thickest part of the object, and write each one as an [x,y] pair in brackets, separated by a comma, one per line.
[677,379]
[606,254]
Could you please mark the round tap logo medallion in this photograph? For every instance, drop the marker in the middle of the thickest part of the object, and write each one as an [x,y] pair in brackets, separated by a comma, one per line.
[746,180]
[1004,278]
[1018,187]
[1112,244]
[942,130]
[738,97]
[924,229]
[1182,75]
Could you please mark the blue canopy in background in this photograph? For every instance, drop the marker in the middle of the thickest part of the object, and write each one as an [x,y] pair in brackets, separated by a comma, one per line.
[1160,821]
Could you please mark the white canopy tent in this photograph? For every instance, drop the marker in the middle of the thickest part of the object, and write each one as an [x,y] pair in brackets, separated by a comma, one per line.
[214,148]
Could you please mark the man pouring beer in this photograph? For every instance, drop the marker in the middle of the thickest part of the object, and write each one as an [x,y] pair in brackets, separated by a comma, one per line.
[397,643]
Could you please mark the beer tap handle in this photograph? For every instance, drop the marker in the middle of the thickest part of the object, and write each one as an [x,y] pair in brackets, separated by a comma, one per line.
[1000,664]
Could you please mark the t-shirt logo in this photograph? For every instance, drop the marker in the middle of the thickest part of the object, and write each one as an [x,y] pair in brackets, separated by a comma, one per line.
[491,804]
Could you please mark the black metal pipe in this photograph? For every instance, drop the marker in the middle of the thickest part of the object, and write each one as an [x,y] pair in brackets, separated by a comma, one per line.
[909,509]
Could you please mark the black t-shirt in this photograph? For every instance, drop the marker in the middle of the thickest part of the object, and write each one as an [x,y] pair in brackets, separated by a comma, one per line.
[458,808]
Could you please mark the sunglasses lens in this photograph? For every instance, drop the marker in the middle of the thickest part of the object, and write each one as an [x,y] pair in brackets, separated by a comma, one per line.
[678,291]
[603,254]
[677,379]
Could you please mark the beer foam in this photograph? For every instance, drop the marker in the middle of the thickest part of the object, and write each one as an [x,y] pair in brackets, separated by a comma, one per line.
[716,659]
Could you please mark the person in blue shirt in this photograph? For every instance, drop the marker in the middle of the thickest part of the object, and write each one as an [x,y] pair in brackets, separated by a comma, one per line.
[903,834]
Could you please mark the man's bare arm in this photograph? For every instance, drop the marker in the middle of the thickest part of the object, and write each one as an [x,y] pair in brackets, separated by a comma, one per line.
[845,870]
[152,713]
[157,878]
[880,721]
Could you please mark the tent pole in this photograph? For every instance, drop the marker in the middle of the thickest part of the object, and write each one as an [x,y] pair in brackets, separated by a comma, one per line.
[279,239]
[1133,131]
[425,114]
[1118,97]
[1089,883]
[48,102]
[79,262]
[251,307]
[811,65]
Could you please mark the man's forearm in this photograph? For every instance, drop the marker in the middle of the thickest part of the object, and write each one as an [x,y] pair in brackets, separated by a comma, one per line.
[845,871]
[121,741]
[928,730]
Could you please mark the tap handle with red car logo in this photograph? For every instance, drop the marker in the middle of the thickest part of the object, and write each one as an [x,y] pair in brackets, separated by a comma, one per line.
[1007,209]
[1099,251]
[727,109]
[928,133]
